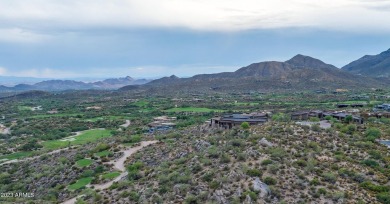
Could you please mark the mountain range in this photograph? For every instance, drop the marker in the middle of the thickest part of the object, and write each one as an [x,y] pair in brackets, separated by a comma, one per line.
[371,65]
[298,73]
[60,85]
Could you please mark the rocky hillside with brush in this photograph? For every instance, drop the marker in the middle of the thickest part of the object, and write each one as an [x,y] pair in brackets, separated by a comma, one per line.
[277,163]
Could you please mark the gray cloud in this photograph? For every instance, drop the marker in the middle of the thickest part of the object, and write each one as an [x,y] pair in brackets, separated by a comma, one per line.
[211,15]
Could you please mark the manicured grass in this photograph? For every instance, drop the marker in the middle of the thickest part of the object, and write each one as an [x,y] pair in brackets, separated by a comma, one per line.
[104,118]
[24,108]
[192,109]
[352,102]
[84,162]
[244,104]
[85,137]
[80,183]
[103,153]
[55,115]
[16,155]
[111,175]
[141,103]
[145,110]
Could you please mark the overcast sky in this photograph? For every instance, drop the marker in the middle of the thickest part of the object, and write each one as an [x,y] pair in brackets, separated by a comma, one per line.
[153,38]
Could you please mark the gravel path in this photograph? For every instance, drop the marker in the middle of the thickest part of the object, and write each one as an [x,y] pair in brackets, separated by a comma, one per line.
[127,124]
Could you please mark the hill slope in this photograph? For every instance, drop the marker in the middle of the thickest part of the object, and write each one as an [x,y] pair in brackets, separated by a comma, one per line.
[371,65]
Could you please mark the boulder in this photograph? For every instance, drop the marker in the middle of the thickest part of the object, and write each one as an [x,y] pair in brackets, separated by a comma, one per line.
[262,188]
[265,142]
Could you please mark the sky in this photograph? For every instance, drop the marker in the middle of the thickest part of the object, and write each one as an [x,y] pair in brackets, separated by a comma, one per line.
[149,38]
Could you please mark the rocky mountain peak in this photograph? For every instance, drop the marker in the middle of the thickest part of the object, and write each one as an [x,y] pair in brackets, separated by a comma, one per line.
[307,62]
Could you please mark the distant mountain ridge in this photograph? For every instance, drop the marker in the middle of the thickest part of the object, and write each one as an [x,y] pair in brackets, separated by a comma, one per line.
[61,85]
[371,65]
[298,73]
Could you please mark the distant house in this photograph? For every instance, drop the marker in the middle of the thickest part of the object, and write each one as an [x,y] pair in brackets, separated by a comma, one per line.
[342,105]
[316,114]
[93,108]
[383,107]
[52,112]
[320,91]
[343,116]
[130,100]
[356,105]
[300,115]
[305,115]
[232,120]
[162,123]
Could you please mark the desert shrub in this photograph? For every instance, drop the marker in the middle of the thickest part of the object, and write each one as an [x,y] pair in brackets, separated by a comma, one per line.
[301,163]
[254,173]
[372,134]
[237,143]
[207,177]
[100,147]
[322,191]
[314,119]
[316,128]
[197,168]
[225,158]
[383,197]
[191,199]
[328,117]
[245,125]
[266,162]
[241,157]
[214,184]
[314,182]
[370,163]
[213,152]
[251,194]
[376,188]
[329,177]
[269,180]
[375,154]
[277,153]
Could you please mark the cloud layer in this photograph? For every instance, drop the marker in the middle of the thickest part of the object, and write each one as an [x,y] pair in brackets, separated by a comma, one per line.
[214,15]
[57,38]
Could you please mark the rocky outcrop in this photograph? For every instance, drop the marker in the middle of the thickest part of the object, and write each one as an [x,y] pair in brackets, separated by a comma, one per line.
[262,188]
[265,142]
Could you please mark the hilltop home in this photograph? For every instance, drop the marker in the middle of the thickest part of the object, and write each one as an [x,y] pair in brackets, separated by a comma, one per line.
[232,120]
[377,115]
[305,115]
[383,107]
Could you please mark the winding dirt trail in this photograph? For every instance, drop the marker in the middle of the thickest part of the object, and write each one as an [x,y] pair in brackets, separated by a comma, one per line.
[127,124]
[119,164]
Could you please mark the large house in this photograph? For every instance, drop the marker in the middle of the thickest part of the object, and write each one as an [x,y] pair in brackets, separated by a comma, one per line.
[383,107]
[305,115]
[232,120]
